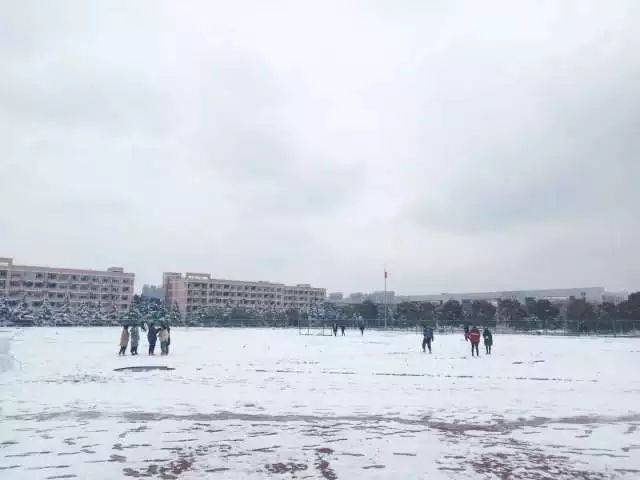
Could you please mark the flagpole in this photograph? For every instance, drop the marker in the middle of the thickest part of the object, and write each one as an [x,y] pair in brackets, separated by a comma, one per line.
[385,298]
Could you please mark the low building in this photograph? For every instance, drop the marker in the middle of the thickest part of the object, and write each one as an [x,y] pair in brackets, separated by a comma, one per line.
[381,297]
[196,291]
[356,297]
[615,297]
[57,286]
[335,297]
[591,294]
[153,291]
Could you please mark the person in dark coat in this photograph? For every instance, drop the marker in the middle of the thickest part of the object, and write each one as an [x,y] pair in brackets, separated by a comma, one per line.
[152,337]
[335,329]
[488,340]
[466,332]
[342,327]
[474,338]
[427,338]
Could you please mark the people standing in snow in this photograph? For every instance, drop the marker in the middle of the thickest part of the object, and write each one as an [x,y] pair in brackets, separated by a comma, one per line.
[135,339]
[361,326]
[124,340]
[466,332]
[168,340]
[342,327]
[163,335]
[152,337]
[474,338]
[427,338]
[335,329]
[488,340]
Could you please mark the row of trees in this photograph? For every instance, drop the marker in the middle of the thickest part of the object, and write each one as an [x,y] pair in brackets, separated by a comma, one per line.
[576,315]
[87,314]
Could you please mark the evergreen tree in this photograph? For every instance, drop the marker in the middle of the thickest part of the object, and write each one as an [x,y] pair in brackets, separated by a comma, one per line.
[44,316]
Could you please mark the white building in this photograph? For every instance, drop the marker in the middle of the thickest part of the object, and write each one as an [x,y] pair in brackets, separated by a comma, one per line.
[153,291]
[591,294]
[379,297]
[615,297]
[57,286]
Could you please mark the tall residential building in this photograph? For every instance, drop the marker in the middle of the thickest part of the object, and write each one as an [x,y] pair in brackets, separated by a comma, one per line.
[195,291]
[57,286]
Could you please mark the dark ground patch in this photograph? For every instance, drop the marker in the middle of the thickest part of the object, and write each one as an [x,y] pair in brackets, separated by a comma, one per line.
[147,368]
[283,468]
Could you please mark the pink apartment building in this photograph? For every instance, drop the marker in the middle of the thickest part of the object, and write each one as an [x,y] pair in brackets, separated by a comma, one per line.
[56,285]
[193,291]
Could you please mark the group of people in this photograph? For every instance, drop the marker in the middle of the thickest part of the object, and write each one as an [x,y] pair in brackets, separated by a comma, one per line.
[335,329]
[162,333]
[471,335]
[361,327]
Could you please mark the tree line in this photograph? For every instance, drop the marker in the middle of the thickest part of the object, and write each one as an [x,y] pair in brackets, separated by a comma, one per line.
[576,315]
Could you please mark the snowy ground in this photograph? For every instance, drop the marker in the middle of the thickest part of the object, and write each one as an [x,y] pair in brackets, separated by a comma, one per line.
[250,403]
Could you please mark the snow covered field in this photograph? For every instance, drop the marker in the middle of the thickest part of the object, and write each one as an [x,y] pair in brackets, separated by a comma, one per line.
[251,403]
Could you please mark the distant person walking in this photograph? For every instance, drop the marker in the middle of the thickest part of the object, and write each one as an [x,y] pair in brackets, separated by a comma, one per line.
[361,326]
[488,340]
[342,327]
[466,332]
[163,335]
[335,329]
[427,338]
[135,339]
[124,340]
[152,337]
[474,338]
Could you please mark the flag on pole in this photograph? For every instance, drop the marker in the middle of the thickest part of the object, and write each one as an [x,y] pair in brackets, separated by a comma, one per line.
[385,274]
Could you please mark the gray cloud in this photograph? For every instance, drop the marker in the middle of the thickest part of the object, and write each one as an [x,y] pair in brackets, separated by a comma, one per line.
[461,145]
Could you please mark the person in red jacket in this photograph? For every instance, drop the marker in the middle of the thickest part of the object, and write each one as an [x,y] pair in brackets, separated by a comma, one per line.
[474,338]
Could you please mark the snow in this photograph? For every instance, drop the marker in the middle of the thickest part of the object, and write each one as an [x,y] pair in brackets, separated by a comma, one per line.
[262,403]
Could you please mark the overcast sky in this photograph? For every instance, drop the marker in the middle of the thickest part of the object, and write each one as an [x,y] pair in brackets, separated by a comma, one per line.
[464,145]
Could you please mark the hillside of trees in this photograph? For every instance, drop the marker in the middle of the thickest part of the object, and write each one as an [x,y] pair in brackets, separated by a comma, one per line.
[574,316]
